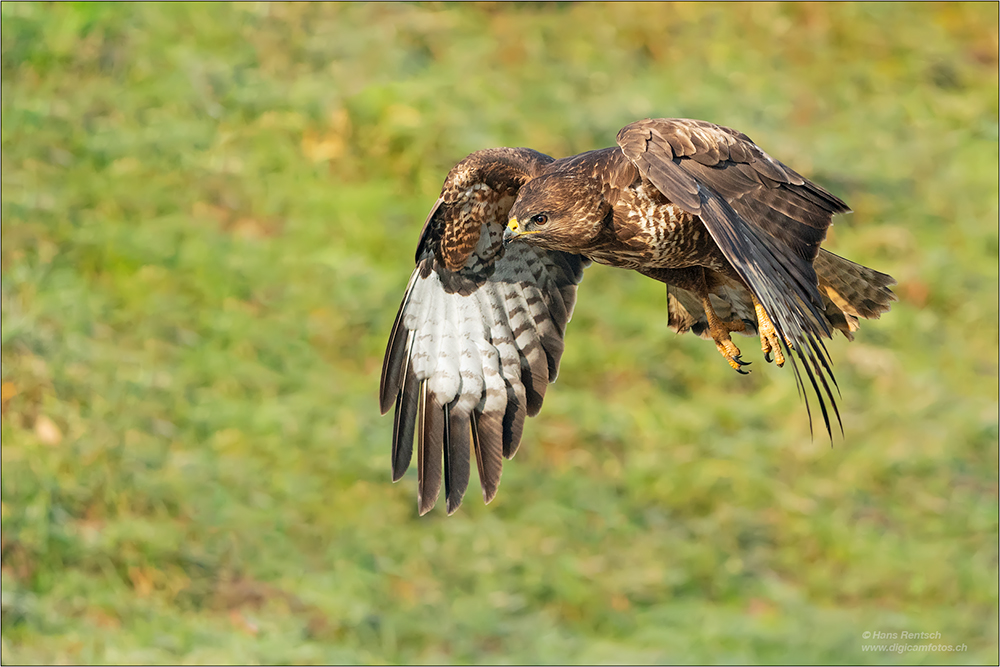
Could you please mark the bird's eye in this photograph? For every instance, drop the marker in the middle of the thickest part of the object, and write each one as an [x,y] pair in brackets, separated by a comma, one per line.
[539,219]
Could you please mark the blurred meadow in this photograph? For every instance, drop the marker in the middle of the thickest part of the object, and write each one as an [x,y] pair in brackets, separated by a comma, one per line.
[209,217]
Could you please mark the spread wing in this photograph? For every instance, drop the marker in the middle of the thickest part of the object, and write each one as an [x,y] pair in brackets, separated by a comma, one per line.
[479,333]
[768,221]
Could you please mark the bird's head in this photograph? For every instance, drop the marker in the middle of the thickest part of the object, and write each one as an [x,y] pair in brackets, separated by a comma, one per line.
[557,211]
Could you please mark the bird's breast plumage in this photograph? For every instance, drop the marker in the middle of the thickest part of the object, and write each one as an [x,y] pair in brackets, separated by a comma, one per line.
[649,231]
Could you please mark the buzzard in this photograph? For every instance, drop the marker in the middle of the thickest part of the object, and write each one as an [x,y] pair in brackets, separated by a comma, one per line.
[734,234]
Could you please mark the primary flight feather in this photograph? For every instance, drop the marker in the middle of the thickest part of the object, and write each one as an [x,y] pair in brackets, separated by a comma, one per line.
[734,234]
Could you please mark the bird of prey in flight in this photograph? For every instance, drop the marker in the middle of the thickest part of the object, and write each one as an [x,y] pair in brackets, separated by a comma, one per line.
[733,234]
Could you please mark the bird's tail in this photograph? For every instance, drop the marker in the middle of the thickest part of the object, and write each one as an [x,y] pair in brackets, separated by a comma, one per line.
[851,291]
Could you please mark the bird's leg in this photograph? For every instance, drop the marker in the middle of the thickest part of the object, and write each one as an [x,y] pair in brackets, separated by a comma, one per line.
[768,334]
[720,330]
[695,279]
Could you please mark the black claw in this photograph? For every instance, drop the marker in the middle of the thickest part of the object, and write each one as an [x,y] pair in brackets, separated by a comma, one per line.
[741,363]
[767,357]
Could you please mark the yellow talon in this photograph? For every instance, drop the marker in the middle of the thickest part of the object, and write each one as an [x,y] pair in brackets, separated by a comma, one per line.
[720,330]
[769,342]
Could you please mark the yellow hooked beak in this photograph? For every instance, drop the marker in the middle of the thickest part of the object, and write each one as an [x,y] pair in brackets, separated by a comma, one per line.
[512,231]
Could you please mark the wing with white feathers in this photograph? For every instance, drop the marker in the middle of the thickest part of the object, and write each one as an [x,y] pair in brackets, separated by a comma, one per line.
[479,333]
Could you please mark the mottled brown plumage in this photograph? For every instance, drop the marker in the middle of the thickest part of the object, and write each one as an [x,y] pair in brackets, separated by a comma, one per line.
[734,234]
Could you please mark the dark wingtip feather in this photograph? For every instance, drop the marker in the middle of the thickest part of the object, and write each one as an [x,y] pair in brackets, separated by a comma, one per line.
[393,360]
[487,439]
[430,433]
[456,458]
[809,340]
[404,423]
[446,451]
[513,423]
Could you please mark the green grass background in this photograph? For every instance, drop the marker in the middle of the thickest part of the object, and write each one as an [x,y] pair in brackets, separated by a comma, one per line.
[209,216]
